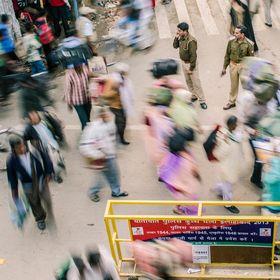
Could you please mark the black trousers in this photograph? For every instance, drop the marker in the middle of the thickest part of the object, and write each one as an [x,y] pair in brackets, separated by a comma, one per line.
[47,48]
[83,112]
[40,203]
[120,121]
[60,14]
[258,166]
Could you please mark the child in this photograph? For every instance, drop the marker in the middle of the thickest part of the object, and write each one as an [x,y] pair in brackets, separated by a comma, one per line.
[32,46]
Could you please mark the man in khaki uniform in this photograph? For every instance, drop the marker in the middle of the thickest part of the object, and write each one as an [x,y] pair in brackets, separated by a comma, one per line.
[187,45]
[237,49]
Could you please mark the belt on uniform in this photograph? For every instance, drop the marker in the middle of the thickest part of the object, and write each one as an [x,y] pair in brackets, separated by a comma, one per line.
[234,63]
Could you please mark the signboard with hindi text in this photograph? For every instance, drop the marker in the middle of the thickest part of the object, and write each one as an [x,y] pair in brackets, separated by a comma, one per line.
[248,241]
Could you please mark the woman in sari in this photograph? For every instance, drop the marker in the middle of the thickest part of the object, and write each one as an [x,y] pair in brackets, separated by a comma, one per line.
[240,15]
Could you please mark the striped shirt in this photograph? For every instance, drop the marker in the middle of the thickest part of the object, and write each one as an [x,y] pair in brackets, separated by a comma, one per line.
[76,86]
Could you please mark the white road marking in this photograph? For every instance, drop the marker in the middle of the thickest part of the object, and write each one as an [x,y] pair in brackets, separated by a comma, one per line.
[275,18]
[225,7]
[162,22]
[183,14]
[207,18]
[135,127]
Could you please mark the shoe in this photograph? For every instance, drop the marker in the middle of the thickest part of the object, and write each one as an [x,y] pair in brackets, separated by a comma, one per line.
[229,106]
[203,105]
[233,209]
[95,198]
[41,225]
[58,179]
[124,142]
[121,194]
[257,184]
[268,24]
[194,99]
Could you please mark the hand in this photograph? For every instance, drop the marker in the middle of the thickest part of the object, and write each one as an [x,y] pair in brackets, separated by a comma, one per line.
[223,72]
[189,72]
[177,35]
[48,178]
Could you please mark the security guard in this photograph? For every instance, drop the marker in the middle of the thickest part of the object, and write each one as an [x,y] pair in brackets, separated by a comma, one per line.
[187,45]
[237,49]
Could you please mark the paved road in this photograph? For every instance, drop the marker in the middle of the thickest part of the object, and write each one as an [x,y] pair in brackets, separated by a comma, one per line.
[34,255]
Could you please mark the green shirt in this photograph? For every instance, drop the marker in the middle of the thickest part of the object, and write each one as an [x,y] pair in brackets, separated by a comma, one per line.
[187,49]
[237,50]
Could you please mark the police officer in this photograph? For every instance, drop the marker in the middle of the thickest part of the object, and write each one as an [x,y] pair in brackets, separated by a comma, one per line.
[237,49]
[187,45]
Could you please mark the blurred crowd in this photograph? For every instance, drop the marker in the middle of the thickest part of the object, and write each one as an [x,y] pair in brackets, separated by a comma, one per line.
[103,101]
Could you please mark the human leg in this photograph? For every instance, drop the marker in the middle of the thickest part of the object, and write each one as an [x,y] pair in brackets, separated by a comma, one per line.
[197,88]
[234,79]
[267,12]
[56,18]
[63,11]
[82,114]
[120,121]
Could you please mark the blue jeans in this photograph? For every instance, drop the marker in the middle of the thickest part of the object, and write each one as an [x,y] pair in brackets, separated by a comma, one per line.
[111,174]
[37,67]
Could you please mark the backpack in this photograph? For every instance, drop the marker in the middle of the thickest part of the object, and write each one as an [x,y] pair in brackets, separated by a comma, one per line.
[210,144]
[44,31]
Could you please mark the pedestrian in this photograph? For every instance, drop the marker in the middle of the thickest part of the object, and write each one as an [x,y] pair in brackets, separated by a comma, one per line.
[76,91]
[267,12]
[229,153]
[34,170]
[126,88]
[60,12]
[32,47]
[187,45]
[113,98]
[46,37]
[237,49]
[7,42]
[98,145]
[34,93]
[43,137]
[85,28]
[100,265]
[240,15]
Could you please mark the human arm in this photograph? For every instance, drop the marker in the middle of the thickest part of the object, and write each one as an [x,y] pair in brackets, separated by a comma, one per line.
[12,178]
[48,165]
[176,42]
[193,54]
[250,50]
[227,58]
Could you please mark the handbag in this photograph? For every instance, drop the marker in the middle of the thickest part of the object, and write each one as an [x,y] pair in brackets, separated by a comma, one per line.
[98,65]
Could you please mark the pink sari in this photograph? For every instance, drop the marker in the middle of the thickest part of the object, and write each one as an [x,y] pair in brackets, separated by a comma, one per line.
[180,174]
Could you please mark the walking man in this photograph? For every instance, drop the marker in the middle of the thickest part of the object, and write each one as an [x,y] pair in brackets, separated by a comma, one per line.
[60,12]
[187,45]
[98,145]
[237,49]
[267,12]
[34,170]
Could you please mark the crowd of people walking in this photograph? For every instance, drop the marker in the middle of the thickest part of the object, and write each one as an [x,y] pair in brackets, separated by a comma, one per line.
[105,102]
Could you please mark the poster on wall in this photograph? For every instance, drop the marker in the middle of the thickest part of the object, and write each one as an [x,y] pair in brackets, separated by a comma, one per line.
[218,233]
